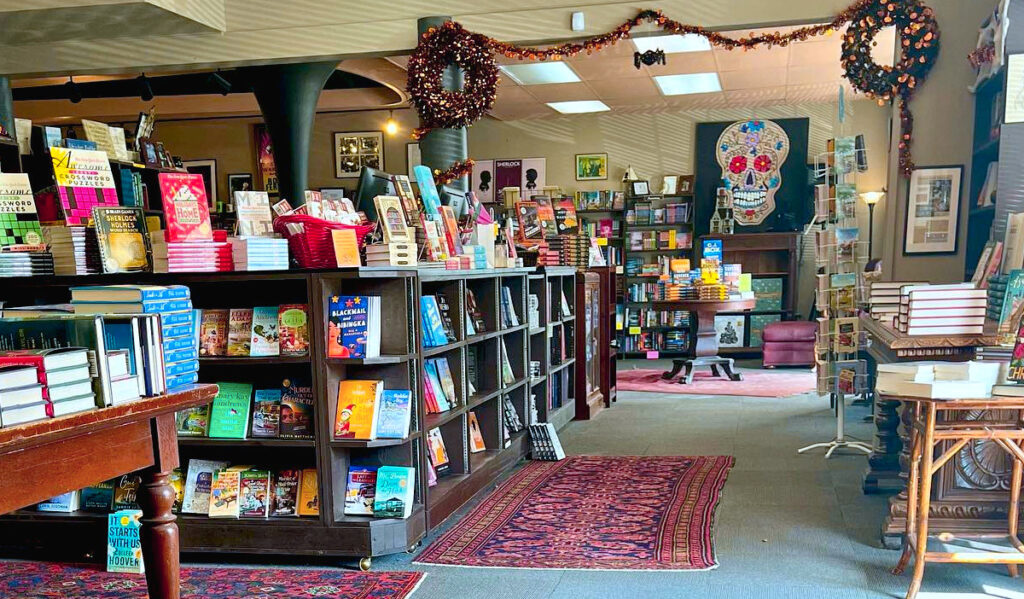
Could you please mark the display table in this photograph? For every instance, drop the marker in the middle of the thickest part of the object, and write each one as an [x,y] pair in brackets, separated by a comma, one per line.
[43,459]
[930,436]
[706,349]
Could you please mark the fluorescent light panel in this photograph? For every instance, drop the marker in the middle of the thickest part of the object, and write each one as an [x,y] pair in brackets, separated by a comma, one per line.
[693,83]
[579,106]
[541,73]
[672,44]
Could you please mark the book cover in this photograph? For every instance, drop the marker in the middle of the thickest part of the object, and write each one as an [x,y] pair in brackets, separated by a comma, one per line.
[98,497]
[239,331]
[446,317]
[438,393]
[126,491]
[1015,373]
[767,294]
[124,546]
[438,452]
[433,327]
[224,494]
[309,493]
[286,493]
[392,219]
[546,215]
[451,230]
[394,414]
[528,218]
[254,496]
[193,422]
[476,438]
[346,248]
[357,409]
[253,211]
[265,340]
[1012,308]
[19,222]
[266,413]
[359,490]
[293,329]
[846,335]
[229,414]
[394,494]
[566,221]
[186,209]
[123,239]
[347,326]
[296,409]
[213,333]
[83,180]
[444,373]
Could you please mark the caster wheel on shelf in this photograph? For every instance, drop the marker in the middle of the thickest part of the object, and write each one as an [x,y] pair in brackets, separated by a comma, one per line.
[365,564]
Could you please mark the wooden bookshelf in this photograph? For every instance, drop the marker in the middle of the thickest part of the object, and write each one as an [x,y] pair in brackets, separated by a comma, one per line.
[986,143]
[590,367]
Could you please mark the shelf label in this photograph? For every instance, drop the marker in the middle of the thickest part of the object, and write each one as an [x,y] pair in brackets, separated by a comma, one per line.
[618,326]
[634,330]
[602,241]
[652,355]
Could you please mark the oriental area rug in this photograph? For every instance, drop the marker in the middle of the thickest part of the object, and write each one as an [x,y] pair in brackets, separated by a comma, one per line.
[593,513]
[44,580]
[755,383]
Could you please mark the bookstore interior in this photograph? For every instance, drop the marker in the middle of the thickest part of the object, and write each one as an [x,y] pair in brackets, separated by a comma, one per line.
[374,299]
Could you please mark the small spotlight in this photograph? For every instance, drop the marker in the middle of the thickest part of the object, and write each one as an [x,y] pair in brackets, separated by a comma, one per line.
[145,89]
[219,83]
[391,126]
[72,91]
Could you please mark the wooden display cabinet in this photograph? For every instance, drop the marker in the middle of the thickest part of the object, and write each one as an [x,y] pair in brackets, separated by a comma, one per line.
[589,368]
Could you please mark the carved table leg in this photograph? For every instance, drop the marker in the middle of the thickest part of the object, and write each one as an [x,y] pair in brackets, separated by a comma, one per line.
[883,474]
[159,535]
[677,365]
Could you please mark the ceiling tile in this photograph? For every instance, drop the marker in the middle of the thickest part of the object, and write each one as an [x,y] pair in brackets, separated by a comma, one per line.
[611,88]
[561,92]
[685,63]
[753,78]
[514,93]
[594,68]
[810,75]
[814,54]
[713,100]
[637,104]
[756,97]
[818,92]
[735,60]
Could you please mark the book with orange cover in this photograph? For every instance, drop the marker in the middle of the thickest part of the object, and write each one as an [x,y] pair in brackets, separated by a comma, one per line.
[357,409]
[476,438]
[309,493]
[346,248]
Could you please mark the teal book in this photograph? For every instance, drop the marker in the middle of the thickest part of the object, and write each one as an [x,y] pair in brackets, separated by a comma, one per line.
[229,415]
[767,294]
[443,404]
[394,414]
[1013,307]
[124,547]
[394,494]
[757,324]
[433,328]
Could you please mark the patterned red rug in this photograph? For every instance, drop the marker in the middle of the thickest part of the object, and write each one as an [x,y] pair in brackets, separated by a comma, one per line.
[593,513]
[44,580]
[755,383]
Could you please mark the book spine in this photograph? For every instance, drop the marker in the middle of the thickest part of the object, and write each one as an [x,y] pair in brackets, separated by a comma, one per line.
[182,379]
[179,368]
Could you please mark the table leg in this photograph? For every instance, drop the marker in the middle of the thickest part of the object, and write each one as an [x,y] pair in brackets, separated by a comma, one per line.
[707,338]
[159,535]
[727,367]
[925,494]
[688,375]
[1014,513]
[912,484]
[677,365]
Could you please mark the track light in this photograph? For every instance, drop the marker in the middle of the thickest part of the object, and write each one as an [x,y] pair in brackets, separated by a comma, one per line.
[219,83]
[73,92]
[145,89]
[391,126]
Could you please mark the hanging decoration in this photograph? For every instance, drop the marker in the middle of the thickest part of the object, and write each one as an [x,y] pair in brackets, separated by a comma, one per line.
[649,58]
[474,53]
[458,170]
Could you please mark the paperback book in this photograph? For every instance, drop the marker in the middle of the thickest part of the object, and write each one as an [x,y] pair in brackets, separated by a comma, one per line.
[266,414]
[360,490]
[357,409]
[293,329]
[265,339]
[297,409]
[123,239]
[239,331]
[213,333]
[229,414]
[395,490]
[353,326]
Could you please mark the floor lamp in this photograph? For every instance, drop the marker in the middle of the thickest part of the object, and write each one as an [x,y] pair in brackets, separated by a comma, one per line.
[871,198]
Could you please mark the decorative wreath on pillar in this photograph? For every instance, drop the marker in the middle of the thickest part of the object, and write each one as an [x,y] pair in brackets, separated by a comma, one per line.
[474,54]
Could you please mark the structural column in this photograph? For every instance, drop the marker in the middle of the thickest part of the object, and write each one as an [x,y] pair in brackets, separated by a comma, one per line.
[6,105]
[287,95]
[441,147]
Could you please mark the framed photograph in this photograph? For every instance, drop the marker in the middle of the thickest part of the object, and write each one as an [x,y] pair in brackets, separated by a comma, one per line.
[147,153]
[685,186]
[239,182]
[208,169]
[266,171]
[669,185]
[640,188]
[591,167]
[933,210]
[353,151]
[412,158]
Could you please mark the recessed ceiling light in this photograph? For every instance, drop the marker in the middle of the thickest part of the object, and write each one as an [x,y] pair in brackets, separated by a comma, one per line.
[672,43]
[541,73]
[579,106]
[693,83]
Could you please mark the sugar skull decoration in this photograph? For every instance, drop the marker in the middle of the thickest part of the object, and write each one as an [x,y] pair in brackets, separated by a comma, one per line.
[751,154]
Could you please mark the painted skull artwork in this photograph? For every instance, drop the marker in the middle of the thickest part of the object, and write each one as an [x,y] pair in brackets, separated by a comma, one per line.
[751,154]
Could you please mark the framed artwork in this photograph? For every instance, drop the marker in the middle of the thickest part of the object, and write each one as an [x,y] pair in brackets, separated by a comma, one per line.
[640,188]
[239,182]
[669,185]
[412,158]
[685,185]
[933,210]
[1014,98]
[353,151]
[207,168]
[591,167]
[266,171]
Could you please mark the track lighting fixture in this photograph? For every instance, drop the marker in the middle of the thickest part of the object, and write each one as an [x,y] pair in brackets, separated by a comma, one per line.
[219,83]
[73,91]
[145,89]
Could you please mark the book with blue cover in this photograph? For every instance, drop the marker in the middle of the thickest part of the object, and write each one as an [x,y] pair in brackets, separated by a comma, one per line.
[395,491]
[178,368]
[430,368]
[124,546]
[353,326]
[266,414]
[189,378]
[174,318]
[128,293]
[428,190]
[181,355]
[180,331]
[394,413]
[143,307]
[444,373]
[433,328]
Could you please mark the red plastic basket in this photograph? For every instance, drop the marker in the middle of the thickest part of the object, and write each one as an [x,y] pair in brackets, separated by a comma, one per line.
[313,247]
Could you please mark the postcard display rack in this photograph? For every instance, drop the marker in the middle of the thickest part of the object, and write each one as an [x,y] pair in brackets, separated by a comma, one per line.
[840,256]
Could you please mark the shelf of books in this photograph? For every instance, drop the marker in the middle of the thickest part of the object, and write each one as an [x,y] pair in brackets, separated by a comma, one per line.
[658,233]
[989,106]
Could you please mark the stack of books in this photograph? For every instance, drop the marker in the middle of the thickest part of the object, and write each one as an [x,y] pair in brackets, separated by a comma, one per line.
[544,443]
[44,383]
[259,253]
[957,309]
[884,300]
[477,255]
[75,250]
[21,396]
[191,256]
[938,380]
[391,254]
[996,295]
[26,261]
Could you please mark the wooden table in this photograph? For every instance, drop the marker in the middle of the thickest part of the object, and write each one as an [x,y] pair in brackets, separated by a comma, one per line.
[43,459]
[706,349]
[949,436]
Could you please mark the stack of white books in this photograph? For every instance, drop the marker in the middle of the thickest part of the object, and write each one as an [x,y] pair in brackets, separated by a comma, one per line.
[957,309]
[259,253]
[939,380]
[884,299]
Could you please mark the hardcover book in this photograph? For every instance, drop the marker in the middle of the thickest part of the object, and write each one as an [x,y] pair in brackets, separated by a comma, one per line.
[19,222]
[433,327]
[438,452]
[395,491]
[529,221]
[98,497]
[83,180]
[213,333]
[186,209]
[123,239]
[438,393]
[297,409]
[394,414]
[357,409]
[353,327]
[239,331]
[193,422]
[124,546]
[265,340]
[224,494]
[293,329]
[392,219]
[476,438]
[286,493]
[359,490]
[126,491]
[309,493]
[254,216]
[229,415]
[198,481]
[254,496]
[266,414]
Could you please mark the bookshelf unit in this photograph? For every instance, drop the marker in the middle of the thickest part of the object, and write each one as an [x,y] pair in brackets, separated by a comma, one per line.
[985,151]
[555,389]
[629,345]
[589,368]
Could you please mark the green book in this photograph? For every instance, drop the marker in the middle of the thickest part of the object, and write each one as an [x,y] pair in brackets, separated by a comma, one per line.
[229,415]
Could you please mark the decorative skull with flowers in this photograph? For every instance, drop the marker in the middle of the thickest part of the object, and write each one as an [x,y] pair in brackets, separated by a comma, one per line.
[751,154]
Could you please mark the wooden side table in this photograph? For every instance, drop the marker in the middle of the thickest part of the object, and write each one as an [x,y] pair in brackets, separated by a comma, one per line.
[43,459]
[949,436]
[706,349]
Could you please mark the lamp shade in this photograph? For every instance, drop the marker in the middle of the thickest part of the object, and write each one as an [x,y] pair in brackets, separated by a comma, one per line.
[872,197]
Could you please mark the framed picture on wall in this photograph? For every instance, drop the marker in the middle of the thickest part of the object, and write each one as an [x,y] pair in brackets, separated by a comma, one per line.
[207,168]
[412,158]
[239,182]
[591,167]
[933,210]
[266,171]
[353,151]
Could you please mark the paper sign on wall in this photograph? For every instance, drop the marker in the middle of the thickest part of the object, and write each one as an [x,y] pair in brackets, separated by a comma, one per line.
[483,180]
[533,176]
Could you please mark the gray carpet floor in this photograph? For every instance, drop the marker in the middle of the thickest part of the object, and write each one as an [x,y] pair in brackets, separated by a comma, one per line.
[789,526]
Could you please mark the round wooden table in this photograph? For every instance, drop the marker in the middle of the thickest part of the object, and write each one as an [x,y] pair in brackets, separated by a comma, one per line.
[706,350]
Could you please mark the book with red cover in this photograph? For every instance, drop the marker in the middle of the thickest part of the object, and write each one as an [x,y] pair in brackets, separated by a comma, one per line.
[186,207]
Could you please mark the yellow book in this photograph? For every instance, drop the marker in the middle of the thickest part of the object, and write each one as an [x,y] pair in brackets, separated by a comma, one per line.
[224,494]
[309,493]
[357,409]
[346,249]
